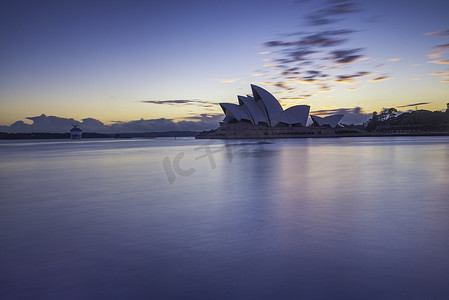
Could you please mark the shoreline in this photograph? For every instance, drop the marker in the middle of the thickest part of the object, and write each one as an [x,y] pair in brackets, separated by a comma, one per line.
[243,130]
[324,136]
[240,137]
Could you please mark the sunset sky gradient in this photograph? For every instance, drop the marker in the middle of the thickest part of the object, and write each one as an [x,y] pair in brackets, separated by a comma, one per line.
[117,62]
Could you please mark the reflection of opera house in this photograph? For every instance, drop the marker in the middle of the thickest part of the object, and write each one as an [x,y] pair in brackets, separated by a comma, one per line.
[262,116]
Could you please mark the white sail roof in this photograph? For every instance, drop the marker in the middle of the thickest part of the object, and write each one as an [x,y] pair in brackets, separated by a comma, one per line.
[250,106]
[263,107]
[297,114]
[234,110]
[271,107]
[331,121]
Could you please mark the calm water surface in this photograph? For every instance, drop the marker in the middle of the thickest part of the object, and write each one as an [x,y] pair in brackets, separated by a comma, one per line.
[346,218]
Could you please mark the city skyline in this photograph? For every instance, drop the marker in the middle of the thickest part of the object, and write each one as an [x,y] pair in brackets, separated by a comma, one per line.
[149,66]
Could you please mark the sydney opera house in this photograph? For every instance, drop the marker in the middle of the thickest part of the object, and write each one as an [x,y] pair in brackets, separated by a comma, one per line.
[260,115]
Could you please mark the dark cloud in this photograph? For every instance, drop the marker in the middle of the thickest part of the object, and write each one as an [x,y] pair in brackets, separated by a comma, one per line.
[180,102]
[44,123]
[312,76]
[315,50]
[328,112]
[55,124]
[324,88]
[143,125]
[282,86]
[350,78]
[381,78]
[326,15]
[92,122]
[326,38]
[346,56]
[441,47]
[317,20]
[438,51]
[298,54]
[201,122]
[49,122]
[206,117]
[278,43]
[414,104]
[286,73]
[339,9]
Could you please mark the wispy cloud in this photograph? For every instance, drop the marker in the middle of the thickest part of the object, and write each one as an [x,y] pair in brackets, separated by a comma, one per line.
[281,85]
[259,74]
[180,102]
[350,79]
[324,88]
[380,78]
[441,33]
[435,54]
[413,104]
[298,98]
[438,51]
[205,117]
[438,73]
[346,56]
[328,38]
[333,9]
[394,59]
[442,47]
[228,80]
[331,111]
[441,62]
[314,56]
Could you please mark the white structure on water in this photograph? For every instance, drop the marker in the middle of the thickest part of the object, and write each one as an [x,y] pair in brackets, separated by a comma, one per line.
[75,133]
[263,108]
[260,116]
[330,121]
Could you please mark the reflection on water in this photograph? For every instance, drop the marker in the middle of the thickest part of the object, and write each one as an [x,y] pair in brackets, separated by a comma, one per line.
[346,218]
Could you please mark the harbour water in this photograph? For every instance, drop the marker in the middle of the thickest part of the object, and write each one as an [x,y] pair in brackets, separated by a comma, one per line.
[330,218]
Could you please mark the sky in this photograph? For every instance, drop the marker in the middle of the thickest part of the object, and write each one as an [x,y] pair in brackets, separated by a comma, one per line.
[165,65]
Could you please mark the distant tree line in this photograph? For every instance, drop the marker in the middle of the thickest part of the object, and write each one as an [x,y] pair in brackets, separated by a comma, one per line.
[47,135]
[420,120]
[87,135]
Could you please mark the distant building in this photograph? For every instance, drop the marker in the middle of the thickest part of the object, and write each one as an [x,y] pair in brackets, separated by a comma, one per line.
[75,133]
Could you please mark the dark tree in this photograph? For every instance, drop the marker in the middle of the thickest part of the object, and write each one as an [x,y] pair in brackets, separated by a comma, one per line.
[372,123]
[419,120]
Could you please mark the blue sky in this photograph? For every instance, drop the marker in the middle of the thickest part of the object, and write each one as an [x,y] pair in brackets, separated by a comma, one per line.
[118,62]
